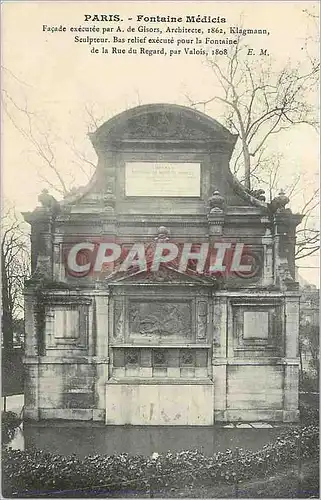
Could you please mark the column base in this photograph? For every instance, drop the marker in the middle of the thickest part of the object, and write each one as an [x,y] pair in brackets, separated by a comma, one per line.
[291,415]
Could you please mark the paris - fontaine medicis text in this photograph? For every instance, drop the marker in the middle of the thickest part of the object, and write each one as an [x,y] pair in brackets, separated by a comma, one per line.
[157,18]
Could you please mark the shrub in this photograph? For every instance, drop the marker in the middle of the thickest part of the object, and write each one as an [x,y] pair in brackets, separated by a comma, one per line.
[309,381]
[9,423]
[35,473]
[309,414]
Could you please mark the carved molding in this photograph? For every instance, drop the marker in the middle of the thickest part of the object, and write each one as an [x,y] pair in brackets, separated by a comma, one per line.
[118,319]
[202,311]
[164,125]
[67,326]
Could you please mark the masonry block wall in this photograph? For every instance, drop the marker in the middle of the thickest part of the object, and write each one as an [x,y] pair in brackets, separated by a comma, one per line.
[173,346]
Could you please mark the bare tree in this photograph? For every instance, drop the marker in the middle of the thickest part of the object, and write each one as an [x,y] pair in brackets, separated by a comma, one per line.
[93,119]
[308,235]
[312,38]
[14,270]
[52,155]
[259,101]
[38,136]
[46,147]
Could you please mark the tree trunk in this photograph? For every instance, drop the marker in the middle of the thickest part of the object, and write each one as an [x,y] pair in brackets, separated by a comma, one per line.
[301,363]
[7,320]
[247,165]
[245,149]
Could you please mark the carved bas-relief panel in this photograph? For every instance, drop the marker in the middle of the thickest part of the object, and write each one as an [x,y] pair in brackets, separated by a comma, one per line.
[160,321]
[156,361]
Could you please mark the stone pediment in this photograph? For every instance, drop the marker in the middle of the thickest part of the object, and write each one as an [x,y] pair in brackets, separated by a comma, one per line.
[164,125]
[165,275]
[159,122]
[171,127]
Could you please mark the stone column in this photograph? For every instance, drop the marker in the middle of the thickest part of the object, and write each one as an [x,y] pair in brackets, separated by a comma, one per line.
[58,263]
[267,242]
[31,389]
[44,249]
[291,366]
[219,360]
[31,337]
[284,243]
[279,255]
[31,359]
[102,352]
[216,217]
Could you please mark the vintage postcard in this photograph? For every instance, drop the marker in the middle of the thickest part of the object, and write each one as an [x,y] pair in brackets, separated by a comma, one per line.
[160,249]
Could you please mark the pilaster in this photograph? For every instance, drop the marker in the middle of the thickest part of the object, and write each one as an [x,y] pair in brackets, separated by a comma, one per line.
[291,367]
[219,361]
[268,274]
[102,353]
[31,334]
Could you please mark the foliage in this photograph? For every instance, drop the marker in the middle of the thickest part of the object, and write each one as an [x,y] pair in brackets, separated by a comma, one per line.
[309,382]
[12,380]
[309,344]
[33,472]
[309,414]
[9,423]
[18,331]
[309,341]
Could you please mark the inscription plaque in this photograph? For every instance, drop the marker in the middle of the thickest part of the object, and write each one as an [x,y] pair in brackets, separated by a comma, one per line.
[162,179]
[256,325]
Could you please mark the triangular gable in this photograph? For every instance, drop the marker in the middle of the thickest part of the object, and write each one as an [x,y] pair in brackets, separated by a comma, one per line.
[165,274]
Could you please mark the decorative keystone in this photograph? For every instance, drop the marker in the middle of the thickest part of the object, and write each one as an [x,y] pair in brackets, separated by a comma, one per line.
[163,233]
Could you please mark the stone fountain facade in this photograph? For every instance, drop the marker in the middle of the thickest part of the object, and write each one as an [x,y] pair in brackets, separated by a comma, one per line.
[170,347]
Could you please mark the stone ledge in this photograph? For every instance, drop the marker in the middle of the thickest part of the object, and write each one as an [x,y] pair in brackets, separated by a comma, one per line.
[159,381]
[259,294]
[161,346]
[250,425]
[253,415]
[266,361]
[66,413]
[47,360]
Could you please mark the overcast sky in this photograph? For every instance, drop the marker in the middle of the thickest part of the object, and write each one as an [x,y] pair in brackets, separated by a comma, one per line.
[58,78]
